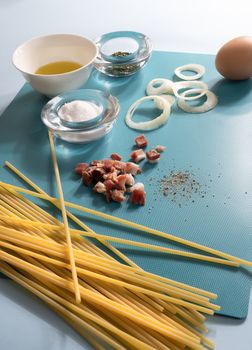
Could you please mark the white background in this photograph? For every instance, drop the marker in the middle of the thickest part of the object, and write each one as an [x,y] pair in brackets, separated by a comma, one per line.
[185,25]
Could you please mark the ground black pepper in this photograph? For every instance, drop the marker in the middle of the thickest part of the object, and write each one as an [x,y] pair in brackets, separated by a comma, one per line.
[179,184]
[178,187]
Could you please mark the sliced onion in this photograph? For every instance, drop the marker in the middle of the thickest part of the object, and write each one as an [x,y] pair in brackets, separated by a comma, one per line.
[209,104]
[169,98]
[198,68]
[164,87]
[201,88]
[154,123]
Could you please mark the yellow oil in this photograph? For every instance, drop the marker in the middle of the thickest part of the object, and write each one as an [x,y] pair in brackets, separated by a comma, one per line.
[58,67]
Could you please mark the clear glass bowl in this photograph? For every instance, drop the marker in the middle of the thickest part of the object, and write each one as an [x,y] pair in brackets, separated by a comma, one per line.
[81,130]
[122,53]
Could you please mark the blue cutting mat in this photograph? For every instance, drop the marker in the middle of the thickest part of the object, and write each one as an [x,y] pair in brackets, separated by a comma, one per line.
[215,149]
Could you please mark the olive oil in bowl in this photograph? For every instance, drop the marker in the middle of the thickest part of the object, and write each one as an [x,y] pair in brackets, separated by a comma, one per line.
[58,67]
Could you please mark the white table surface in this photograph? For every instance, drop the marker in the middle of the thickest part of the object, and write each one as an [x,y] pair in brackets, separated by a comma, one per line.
[185,25]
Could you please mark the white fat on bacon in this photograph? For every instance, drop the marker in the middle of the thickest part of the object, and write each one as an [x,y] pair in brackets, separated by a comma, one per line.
[130,181]
[138,155]
[99,187]
[138,195]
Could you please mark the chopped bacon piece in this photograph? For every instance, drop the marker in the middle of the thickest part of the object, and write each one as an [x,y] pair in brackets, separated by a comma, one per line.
[98,174]
[132,168]
[138,155]
[120,166]
[160,148]
[120,182]
[138,195]
[141,141]
[153,156]
[80,168]
[109,184]
[130,181]
[110,176]
[115,156]
[97,163]
[99,187]
[108,164]
[117,196]
[87,177]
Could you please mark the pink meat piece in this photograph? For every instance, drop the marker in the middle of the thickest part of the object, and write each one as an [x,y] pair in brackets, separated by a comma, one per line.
[110,176]
[108,165]
[87,177]
[99,187]
[98,174]
[153,156]
[138,155]
[129,180]
[97,163]
[138,195]
[117,196]
[160,148]
[120,166]
[80,168]
[141,141]
[120,182]
[116,156]
[132,168]
[110,185]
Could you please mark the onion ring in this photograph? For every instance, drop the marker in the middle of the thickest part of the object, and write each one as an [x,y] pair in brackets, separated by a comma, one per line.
[152,124]
[169,98]
[209,104]
[202,88]
[198,68]
[165,87]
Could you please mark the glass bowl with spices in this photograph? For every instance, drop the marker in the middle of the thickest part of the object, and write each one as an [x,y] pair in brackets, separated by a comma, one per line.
[122,53]
[81,116]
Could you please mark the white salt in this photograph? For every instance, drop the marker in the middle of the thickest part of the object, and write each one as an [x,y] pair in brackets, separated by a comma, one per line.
[79,111]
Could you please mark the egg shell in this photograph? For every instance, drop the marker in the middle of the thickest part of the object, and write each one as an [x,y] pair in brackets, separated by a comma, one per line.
[234,59]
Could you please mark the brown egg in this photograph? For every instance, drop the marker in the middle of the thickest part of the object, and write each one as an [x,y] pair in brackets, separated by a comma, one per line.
[234,59]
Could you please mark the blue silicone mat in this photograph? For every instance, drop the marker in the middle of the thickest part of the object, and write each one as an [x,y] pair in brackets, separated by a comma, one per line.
[214,149]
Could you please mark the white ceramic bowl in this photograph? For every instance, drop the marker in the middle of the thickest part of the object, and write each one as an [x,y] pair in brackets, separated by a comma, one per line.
[37,52]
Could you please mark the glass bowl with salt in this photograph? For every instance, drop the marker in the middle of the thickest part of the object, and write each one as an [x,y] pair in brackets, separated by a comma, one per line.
[81,116]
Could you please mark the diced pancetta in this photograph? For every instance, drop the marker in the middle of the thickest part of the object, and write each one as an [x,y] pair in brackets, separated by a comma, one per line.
[138,195]
[98,174]
[110,176]
[160,148]
[80,168]
[99,187]
[97,163]
[141,141]
[130,181]
[110,185]
[120,166]
[117,196]
[120,182]
[87,178]
[153,156]
[108,164]
[116,156]
[138,155]
[132,168]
